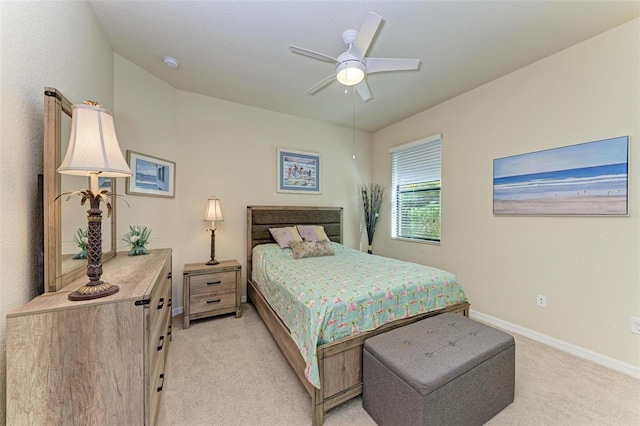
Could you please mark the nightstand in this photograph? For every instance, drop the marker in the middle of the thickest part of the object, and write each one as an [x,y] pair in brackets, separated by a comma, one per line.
[210,290]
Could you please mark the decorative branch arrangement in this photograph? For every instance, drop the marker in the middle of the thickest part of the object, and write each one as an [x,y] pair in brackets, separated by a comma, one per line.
[371,202]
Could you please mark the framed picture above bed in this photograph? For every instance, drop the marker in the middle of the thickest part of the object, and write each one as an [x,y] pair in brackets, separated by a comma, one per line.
[298,171]
[151,175]
[587,179]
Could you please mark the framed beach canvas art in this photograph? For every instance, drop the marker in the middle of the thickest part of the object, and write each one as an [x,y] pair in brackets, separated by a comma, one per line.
[298,171]
[151,175]
[585,179]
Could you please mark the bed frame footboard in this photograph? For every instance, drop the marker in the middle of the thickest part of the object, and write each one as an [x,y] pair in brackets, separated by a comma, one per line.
[340,363]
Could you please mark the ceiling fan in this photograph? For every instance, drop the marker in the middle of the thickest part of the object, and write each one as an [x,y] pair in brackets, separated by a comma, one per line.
[352,65]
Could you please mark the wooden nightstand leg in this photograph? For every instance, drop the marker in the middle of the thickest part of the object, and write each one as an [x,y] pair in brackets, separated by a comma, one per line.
[238,292]
[186,293]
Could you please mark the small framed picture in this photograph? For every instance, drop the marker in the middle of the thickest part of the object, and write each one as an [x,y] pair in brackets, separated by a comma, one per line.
[151,175]
[298,171]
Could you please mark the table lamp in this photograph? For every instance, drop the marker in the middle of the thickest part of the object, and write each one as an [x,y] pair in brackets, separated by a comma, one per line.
[93,151]
[213,215]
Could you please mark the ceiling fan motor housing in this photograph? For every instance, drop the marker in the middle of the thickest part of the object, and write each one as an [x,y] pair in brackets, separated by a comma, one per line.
[349,36]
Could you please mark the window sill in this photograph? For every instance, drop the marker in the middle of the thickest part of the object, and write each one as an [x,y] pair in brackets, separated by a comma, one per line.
[410,240]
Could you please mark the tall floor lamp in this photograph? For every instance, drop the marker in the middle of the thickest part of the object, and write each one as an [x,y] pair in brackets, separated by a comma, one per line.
[213,215]
[93,151]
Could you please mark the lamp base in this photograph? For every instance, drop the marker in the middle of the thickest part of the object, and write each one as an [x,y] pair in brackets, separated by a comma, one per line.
[94,291]
[212,262]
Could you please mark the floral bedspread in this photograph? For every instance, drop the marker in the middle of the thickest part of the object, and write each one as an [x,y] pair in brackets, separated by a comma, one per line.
[323,299]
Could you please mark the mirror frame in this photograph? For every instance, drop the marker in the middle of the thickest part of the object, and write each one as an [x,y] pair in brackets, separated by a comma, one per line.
[55,104]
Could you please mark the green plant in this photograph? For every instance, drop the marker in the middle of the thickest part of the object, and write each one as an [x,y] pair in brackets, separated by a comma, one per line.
[81,239]
[371,202]
[137,238]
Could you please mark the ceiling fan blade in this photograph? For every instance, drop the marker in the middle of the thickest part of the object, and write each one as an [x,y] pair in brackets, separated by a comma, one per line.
[363,90]
[391,64]
[321,84]
[367,32]
[312,54]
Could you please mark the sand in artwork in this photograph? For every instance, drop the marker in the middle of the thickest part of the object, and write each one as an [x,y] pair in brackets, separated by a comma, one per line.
[606,205]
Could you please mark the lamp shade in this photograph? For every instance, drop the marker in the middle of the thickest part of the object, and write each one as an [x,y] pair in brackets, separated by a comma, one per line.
[93,145]
[214,212]
[350,72]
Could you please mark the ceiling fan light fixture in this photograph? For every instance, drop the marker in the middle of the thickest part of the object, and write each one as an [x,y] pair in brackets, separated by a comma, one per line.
[350,73]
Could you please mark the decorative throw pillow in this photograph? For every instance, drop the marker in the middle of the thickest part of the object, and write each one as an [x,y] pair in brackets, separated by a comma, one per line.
[312,233]
[311,249]
[284,236]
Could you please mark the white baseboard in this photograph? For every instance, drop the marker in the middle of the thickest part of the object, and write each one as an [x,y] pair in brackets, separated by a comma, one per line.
[600,359]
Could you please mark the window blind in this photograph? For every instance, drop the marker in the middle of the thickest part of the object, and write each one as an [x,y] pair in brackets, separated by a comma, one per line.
[416,172]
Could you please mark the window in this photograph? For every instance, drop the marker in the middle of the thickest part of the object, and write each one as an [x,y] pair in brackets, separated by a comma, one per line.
[415,169]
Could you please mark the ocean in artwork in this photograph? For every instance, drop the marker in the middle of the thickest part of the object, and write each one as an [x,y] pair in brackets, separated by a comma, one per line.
[569,180]
[151,175]
[607,180]
[299,172]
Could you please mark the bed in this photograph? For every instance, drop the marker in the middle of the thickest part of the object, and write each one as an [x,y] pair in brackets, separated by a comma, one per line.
[337,364]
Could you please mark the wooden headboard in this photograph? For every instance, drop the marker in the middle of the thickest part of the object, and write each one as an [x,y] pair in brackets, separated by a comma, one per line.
[261,218]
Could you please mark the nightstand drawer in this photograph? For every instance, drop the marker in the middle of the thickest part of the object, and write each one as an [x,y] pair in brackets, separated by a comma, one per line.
[211,301]
[207,283]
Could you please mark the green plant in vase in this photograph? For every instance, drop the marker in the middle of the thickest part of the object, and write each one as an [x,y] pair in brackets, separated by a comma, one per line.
[137,238]
[81,239]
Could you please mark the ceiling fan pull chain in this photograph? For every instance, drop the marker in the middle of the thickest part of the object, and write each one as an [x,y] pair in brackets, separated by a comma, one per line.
[353,101]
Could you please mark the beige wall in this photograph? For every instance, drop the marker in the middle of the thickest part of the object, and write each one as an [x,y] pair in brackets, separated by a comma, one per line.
[588,267]
[39,42]
[227,150]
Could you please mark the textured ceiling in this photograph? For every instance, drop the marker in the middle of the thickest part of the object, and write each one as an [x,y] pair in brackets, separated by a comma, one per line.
[238,50]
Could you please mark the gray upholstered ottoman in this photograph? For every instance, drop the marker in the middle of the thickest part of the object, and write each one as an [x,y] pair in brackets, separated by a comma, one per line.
[444,370]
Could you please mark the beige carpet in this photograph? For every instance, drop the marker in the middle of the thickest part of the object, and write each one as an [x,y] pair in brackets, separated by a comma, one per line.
[228,371]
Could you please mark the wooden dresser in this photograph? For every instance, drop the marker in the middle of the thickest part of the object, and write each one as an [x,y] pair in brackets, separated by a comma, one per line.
[93,362]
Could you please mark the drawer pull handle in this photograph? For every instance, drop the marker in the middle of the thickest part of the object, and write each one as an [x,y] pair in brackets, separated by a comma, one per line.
[161,304]
[169,330]
[160,387]
[213,301]
[214,282]
[161,343]
[169,304]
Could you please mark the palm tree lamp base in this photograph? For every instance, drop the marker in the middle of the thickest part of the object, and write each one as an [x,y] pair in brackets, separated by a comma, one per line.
[94,291]
[95,288]
[213,260]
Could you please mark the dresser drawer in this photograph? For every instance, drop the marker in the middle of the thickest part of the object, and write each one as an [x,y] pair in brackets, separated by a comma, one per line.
[159,308]
[209,283]
[210,302]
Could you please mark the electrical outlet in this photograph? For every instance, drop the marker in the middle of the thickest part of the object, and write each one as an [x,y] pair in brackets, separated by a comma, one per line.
[541,301]
[635,325]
